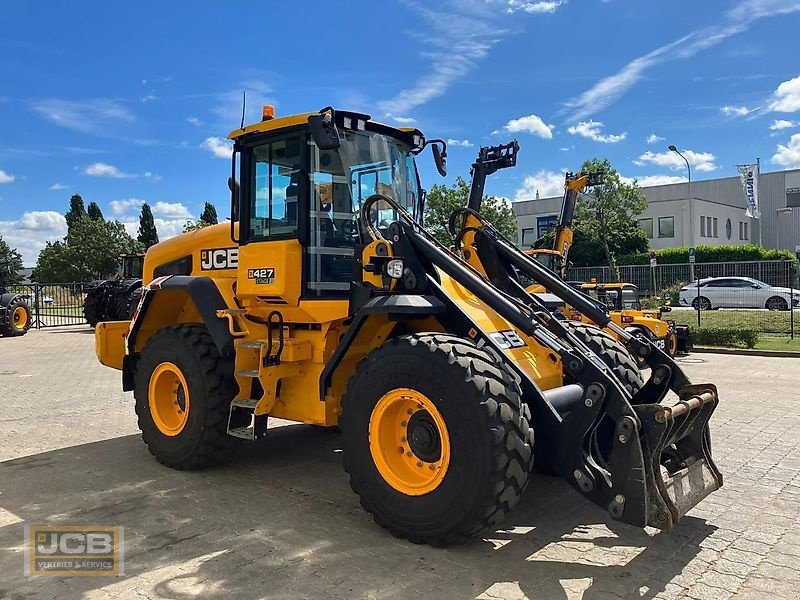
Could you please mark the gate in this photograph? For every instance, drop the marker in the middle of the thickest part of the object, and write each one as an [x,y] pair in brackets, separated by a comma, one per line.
[55,304]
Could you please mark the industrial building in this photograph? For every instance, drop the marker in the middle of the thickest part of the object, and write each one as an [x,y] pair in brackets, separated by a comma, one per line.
[709,212]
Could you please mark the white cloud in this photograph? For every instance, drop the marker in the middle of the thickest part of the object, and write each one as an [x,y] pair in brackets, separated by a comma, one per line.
[778,124]
[460,143]
[530,124]
[194,121]
[737,20]
[591,129]
[228,106]
[100,169]
[121,207]
[219,147]
[6,177]
[457,34]
[546,183]
[700,161]
[789,155]
[401,120]
[787,96]
[166,228]
[85,116]
[57,186]
[654,139]
[534,7]
[151,176]
[650,180]
[736,111]
[174,210]
[31,231]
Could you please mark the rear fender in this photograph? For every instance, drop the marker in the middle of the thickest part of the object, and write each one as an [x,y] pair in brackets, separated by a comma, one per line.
[172,300]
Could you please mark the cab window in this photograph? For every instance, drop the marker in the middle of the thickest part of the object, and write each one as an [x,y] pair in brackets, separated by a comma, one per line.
[275,171]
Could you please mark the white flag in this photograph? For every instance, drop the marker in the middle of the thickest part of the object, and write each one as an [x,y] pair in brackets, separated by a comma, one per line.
[749,176]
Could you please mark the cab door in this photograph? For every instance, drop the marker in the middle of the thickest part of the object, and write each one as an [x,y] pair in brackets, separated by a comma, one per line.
[271,254]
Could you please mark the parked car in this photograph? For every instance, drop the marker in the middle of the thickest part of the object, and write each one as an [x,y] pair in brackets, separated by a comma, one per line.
[737,292]
[31,298]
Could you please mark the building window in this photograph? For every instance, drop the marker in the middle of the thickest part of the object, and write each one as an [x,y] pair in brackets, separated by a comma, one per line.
[728,229]
[702,227]
[546,224]
[666,227]
[647,225]
[529,237]
[793,196]
[715,227]
[744,227]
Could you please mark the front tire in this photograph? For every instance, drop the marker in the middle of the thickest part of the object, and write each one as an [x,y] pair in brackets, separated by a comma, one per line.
[611,352]
[776,303]
[701,303]
[183,391]
[456,413]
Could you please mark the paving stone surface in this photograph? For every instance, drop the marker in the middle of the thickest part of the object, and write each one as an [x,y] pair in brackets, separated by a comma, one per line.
[281,522]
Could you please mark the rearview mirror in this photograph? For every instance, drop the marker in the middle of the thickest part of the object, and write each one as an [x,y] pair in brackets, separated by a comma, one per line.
[323,130]
[440,158]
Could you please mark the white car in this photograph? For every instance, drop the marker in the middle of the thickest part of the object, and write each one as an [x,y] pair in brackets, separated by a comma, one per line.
[31,298]
[737,292]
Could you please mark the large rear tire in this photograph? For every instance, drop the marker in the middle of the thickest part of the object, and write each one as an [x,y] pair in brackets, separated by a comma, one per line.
[92,306]
[183,391]
[19,319]
[435,437]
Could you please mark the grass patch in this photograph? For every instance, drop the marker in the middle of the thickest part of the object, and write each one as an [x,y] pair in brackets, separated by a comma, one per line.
[778,344]
[763,321]
[63,311]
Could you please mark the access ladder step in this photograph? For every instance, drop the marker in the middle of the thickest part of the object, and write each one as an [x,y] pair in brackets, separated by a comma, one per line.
[252,373]
[254,345]
[248,403]
[231,311]
[245,433]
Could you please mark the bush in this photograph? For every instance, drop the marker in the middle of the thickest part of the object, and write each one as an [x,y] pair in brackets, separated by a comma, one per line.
[707,254]
[725,337]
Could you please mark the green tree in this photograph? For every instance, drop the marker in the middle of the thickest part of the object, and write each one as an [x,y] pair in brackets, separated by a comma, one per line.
[76,211]
[10,264]
[94,212]
[607,214]
[148,234]
[207,217]
[443,200]
[209,214]
[89,251]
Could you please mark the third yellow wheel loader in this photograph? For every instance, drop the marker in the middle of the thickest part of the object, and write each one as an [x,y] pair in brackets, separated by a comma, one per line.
[326,302]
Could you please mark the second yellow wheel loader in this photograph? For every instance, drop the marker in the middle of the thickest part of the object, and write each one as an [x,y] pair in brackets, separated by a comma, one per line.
[328,303]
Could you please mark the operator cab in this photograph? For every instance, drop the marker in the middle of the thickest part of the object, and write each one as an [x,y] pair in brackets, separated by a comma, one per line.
[623,296]
[305,178]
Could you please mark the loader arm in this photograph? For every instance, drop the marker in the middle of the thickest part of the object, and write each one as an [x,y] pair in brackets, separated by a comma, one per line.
[563,234]
[610,444]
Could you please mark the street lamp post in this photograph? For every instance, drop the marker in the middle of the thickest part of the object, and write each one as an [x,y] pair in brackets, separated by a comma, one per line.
[672,148]
[778,213]
[688,168]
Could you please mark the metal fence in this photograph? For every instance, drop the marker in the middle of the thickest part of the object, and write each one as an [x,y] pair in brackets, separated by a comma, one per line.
[743,303]
[54,305]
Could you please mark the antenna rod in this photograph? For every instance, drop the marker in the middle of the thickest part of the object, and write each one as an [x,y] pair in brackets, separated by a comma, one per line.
[244,104]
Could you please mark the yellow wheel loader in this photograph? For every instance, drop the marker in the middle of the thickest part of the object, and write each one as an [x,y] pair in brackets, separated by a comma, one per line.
[326,302]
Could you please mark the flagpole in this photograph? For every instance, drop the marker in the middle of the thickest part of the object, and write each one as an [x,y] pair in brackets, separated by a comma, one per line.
[760,222]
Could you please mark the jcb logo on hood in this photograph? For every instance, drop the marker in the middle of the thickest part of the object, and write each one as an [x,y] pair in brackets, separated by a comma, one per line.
[219,258]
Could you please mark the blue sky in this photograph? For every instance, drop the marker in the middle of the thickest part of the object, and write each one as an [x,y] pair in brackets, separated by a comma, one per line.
[131,102]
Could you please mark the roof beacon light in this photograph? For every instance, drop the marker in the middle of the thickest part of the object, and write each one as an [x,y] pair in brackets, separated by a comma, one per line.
[268,112]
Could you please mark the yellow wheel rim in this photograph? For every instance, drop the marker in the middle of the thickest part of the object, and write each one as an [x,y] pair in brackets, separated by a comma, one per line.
[409,442]
[168,396]
[673,344]
[20,317]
